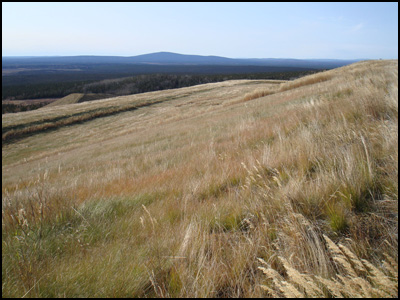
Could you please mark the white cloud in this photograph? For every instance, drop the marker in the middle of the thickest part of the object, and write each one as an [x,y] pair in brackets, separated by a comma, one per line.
[357,27]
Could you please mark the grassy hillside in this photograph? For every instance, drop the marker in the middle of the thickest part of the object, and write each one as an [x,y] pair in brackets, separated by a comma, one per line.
[242,188]
[78,98]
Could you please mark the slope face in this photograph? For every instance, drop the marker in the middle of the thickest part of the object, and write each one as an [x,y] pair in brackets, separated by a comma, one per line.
[78,98]
[178,192]
[49,118]
[71,98]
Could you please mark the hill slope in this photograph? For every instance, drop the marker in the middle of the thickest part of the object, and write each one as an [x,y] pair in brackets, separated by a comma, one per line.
[78,98]
[177,193]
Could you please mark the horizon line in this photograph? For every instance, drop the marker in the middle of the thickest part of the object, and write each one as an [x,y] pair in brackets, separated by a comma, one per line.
[245,58]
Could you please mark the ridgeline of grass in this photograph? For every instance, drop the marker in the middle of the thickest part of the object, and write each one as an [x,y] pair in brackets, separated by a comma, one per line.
[79,98]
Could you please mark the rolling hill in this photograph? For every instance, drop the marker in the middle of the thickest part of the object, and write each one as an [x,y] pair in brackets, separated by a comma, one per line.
[241,188]
[78,98]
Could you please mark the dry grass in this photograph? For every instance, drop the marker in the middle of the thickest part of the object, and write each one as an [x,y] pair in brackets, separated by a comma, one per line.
[79,98]
[355,278]
[182,197]
[285,86]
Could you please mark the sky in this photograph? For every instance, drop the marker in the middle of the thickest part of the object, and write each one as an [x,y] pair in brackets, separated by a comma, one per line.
[328,30]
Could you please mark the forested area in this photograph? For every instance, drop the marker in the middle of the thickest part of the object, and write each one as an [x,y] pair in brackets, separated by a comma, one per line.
[15,107]
[65,85]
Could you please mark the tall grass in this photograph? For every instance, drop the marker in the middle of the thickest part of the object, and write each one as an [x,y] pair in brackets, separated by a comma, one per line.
[192,197]
[354,277]
[285,86]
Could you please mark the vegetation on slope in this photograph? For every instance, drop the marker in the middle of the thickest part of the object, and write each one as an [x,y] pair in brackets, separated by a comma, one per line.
[61,85]
[79,98]
[46,122]
[18,106]
[235,189]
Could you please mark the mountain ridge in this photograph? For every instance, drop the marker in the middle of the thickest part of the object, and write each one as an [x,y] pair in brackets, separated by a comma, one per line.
[171,58]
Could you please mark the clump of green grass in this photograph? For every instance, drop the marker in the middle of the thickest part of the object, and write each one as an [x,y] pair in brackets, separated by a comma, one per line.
[337,218]
[230,221]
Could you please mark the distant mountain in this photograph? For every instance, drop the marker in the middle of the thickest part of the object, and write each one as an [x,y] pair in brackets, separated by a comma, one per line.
[169,58]
[175,58]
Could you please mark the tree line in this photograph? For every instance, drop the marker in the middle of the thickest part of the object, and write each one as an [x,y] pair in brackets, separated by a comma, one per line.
[130,85]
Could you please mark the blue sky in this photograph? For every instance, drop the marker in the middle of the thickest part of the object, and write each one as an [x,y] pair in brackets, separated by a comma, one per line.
[237,30]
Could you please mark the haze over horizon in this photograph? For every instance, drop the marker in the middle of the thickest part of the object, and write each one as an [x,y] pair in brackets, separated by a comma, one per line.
[233,30]
[160,53]
[179,54]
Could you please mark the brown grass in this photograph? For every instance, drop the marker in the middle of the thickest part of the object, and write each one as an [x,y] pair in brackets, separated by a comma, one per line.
[79,98]
[182,198]
[355,278]
[285,86]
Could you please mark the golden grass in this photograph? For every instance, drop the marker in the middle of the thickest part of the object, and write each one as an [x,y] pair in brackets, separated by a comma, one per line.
[357,278]
[285,86]
[79,98]
[182,198]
